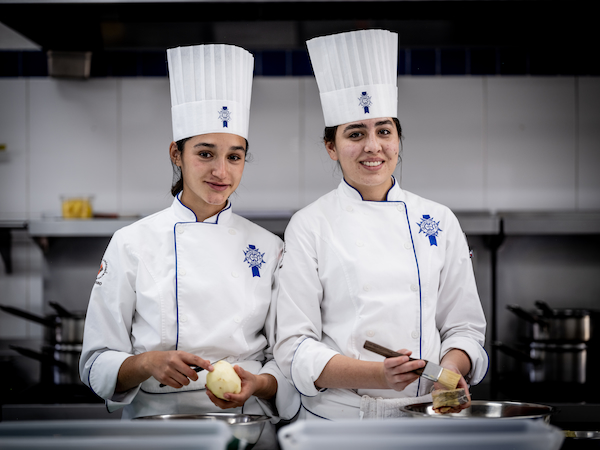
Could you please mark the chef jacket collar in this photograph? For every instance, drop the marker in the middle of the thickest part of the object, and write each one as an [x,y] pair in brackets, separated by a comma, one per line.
[185,214]
[394,194]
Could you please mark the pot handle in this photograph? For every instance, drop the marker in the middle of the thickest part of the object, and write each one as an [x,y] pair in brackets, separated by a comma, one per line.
[40,357]
[60,310]
[546,310]
[514,352]
[27,315]
[520,312]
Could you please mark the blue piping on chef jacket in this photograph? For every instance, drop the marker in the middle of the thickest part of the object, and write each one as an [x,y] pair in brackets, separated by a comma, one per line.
[416,261]
[216,222]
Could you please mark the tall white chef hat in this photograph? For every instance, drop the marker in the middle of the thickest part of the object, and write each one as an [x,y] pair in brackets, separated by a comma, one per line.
[357,75]
[211,86]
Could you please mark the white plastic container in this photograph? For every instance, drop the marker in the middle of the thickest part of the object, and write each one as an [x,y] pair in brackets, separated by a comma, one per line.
[421,434]
[110,434]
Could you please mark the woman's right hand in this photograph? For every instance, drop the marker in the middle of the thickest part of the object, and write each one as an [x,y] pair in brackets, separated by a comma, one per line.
[398,371]
[171,368]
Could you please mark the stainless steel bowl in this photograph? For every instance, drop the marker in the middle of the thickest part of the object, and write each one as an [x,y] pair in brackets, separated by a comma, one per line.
[246,428]
[486,409]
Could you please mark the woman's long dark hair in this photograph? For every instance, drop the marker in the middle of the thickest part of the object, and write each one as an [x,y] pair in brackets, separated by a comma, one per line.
[177,184]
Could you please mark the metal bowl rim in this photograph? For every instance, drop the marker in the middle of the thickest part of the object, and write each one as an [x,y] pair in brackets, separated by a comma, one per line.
[256,418]
[550,410]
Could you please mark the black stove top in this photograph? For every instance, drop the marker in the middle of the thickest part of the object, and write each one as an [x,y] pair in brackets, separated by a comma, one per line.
[51,394]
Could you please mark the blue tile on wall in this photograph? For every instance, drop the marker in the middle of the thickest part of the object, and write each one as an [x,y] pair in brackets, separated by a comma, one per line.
[34,64]
[422,61]
[513,61]
[452,62]
[584,63]
[301,63]
[10,64]
[402,62]
[154,64]
[482,61]
[274,63]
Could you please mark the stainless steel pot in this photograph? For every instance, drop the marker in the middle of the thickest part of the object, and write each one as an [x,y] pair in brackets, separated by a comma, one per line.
[246,428]
[551,362]
[486,409]
[61,328]
[558,325]
[59,362]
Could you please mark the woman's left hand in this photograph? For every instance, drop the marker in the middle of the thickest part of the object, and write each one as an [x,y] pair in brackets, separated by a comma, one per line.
[462,384]
[251,383]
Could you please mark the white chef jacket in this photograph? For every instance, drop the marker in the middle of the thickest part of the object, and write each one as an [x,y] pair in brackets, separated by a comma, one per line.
[168,282]
[396,272]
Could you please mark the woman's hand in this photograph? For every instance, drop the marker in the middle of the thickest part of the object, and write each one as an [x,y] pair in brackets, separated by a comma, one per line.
[398,371]
[450,362]
[262,386]
[171,368]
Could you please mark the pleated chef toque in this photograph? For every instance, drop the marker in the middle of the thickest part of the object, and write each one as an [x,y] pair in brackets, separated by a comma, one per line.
[357,75]
[211,86]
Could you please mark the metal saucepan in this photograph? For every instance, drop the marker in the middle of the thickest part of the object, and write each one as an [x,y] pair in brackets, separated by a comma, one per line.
[547,361]
[487,410]
[61,328]
[246,428]
[548,324]
[60,362]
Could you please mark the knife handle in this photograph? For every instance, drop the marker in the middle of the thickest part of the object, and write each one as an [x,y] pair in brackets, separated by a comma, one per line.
[195,368]
[387,353]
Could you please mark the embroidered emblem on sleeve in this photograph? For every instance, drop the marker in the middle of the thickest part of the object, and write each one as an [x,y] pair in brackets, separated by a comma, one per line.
[101,272]
[254,258]
[430,228]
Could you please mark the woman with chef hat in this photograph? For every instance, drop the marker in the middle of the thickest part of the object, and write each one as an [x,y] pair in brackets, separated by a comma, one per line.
[369,260]
[194,283]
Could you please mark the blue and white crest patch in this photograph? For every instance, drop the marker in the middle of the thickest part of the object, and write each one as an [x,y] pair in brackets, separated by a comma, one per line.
[365,102]
[224,116]
[254,258]
[430,228]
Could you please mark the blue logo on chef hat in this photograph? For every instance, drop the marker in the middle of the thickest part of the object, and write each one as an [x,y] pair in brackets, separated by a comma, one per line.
[254,258]
[430,228]
[224,116]
[365,102]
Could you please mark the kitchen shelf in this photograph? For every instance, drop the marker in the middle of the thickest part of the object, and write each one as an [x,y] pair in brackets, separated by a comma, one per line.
[473,223]
[480,223]
[77,227]
[550,223]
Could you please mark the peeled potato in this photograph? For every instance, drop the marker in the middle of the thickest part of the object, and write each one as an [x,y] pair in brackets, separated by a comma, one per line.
[223,379]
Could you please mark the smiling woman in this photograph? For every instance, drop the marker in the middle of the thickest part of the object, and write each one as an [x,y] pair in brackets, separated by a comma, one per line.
[367,151]
[193,283]
[211,167]
[369,260]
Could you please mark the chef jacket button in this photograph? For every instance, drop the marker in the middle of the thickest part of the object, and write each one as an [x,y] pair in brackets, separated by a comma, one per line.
[360,243]
[230,359]
[366,288]
[400,207]
[407,245]
[349,208]
[182,318]
[232,231]
[414,334]
[237,320]
[182,272]
[234,274]
[370,333]
[180,229]
[414,287]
